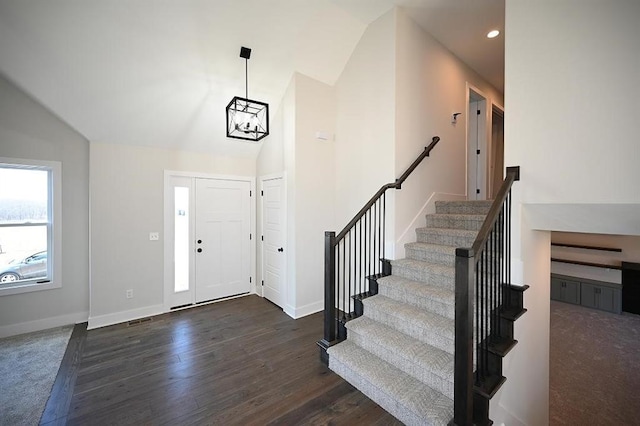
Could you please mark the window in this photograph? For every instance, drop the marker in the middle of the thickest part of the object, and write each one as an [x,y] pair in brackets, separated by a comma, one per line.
[181,239]
[30,231]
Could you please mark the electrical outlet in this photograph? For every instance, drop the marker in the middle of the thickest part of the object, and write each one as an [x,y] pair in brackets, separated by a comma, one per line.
[129,294]
[154,236]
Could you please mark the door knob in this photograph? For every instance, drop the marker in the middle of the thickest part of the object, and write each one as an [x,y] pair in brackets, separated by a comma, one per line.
[199,250]
[199,241]
[280,249]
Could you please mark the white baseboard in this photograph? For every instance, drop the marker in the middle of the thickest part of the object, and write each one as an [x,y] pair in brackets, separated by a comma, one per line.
[500,415]
[124,316]
[429,206]
[42,324]
[305,310]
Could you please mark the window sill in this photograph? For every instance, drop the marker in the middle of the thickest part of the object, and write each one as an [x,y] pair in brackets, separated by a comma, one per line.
[27,287]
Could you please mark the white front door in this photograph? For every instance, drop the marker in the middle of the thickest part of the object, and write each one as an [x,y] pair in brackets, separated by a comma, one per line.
[222,239]
[273,256]
[207,246]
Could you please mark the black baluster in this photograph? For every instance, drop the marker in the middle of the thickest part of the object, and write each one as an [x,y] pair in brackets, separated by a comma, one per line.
[384,223]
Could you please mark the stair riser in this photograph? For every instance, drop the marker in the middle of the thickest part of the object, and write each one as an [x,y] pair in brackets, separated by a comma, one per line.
[462,208]
[429,305]
[428,236]
[442,385]
[471,224]
[425,276]
[424,334]
[431,256]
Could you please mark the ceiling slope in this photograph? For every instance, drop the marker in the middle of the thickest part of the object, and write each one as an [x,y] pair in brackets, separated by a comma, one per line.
[160,73]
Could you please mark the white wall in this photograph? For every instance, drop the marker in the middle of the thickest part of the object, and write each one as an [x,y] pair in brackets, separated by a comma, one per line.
[28,130]
[572,106]
[365,121]
[314,188]
[571,124]
[270,159]
[430,85]
[127,189]
[308,107]
[630,246]
[289,152]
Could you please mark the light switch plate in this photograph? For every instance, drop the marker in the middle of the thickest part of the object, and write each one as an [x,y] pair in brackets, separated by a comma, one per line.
[154,236]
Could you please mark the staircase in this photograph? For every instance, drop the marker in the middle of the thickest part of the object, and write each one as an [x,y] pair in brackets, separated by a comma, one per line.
[400,352]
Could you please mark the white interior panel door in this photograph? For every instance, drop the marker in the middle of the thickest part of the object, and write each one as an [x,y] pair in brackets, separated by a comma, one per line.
[222,233]
[476,151]
[273,218]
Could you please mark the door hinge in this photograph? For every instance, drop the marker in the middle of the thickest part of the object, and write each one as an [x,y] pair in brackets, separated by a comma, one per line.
[262,282]
[478,151]
[477,191]
[262,193]
[249,280]
[250,236]
[262,238]
[478,112]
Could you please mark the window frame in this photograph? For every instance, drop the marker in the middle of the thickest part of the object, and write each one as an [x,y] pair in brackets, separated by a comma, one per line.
[54,227]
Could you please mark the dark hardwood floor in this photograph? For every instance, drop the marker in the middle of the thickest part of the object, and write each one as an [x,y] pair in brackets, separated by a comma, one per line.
[241,361]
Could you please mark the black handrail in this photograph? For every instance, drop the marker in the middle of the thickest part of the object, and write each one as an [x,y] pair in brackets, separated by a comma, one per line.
[354,258]
[396,185]
[481,273]
[513,174]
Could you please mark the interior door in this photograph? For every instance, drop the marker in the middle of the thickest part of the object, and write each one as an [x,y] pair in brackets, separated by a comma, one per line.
[477,147]
[222,239]
[273,223]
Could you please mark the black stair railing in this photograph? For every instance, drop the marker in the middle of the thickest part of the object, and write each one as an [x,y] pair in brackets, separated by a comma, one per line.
[482,275]
[354,259]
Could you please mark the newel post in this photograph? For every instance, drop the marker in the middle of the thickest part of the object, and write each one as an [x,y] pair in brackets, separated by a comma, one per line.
[329,295]
[463,358]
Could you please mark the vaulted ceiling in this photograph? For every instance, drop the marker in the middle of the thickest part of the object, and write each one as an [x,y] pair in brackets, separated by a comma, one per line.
[160,73]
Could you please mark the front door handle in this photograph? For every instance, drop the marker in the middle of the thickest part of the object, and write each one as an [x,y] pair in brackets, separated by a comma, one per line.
[280,249]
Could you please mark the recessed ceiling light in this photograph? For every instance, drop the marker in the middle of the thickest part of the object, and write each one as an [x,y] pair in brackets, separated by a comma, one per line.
[493,34]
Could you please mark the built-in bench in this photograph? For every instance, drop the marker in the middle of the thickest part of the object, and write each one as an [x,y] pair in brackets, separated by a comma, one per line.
[588,292]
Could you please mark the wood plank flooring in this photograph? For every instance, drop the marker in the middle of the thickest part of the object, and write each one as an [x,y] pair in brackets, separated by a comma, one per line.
[241,361]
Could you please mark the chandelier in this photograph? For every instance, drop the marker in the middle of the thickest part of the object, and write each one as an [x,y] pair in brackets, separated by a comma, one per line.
[247,119]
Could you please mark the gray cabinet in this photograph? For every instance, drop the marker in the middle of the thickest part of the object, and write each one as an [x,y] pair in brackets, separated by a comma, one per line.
[588,293]
[601,297]
[565,290]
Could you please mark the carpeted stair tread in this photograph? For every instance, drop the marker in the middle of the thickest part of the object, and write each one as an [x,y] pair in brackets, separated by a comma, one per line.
[435,330]
[433,253]
[463,207]
[405,397]
[430,365]
[471,222]
[435,299]
[430,273]
[446,236]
